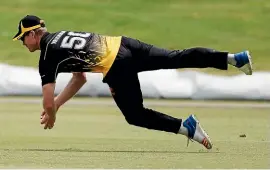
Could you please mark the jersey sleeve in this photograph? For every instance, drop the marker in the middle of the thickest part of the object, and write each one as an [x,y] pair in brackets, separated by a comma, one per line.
[47,75]
[48,67]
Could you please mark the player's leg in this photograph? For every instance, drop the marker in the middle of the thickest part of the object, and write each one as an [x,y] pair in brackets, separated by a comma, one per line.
[128,97]
[148,57]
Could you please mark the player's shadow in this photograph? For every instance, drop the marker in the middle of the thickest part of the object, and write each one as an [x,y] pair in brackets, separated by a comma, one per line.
[110,151]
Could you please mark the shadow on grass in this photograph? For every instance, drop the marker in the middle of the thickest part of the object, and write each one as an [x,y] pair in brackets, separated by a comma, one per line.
[109,151]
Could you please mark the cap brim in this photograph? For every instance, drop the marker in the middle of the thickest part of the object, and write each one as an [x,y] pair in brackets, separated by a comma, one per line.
[23,31]
[18,36]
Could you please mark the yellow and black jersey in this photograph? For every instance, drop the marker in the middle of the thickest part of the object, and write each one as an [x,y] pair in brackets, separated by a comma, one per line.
[67,51]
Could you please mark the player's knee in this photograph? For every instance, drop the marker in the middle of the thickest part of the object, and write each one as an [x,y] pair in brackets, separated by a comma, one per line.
[134,117]
[132,120]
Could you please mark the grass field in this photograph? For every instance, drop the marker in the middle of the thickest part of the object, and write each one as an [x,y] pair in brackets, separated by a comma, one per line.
[231,25]
[94,136]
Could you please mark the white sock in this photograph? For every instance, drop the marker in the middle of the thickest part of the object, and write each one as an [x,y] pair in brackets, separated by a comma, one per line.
[183,130]
[231,59]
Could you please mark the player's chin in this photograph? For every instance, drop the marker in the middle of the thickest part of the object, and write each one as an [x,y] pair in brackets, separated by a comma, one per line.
[31,50]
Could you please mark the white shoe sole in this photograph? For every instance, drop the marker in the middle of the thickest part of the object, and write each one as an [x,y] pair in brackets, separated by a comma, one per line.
[206,139]
[247,68]
[201,136]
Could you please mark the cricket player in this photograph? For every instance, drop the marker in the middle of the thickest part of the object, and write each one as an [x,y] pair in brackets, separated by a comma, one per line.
[119,59]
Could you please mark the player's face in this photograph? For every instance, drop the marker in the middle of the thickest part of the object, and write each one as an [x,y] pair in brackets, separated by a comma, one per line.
[29,41]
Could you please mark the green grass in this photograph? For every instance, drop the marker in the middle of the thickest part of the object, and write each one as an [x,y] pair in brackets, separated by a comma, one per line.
[231,25]
[87,136]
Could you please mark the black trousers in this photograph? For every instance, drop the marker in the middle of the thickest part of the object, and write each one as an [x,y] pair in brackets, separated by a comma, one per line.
[135,56]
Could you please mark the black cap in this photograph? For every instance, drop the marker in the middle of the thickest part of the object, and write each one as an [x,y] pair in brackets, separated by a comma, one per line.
[28,23]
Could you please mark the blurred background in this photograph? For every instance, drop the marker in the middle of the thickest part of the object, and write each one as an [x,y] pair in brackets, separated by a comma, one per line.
[231,26]
[92,133]
[175,24]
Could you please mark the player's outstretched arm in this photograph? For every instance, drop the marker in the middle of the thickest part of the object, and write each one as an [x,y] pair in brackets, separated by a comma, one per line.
[74,85]
[48,98]
[50,109]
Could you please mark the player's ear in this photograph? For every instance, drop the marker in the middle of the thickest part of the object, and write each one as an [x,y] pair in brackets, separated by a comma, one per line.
[32,33]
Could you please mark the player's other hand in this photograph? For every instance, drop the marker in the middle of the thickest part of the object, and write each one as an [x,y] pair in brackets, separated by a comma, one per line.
[47,120]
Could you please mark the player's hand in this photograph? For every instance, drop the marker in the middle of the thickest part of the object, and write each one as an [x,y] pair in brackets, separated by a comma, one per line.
[47,120]
[43,118]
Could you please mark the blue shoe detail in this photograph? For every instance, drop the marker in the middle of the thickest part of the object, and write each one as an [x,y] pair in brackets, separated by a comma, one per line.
[241,58]
[190,123]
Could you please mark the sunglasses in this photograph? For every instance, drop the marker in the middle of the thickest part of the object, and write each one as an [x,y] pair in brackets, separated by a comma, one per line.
[24,35]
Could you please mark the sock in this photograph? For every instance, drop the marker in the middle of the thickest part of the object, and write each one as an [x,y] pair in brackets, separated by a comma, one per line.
[183,130]
[231,59]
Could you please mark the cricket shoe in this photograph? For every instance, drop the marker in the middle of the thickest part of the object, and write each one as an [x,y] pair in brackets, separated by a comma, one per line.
[196,132]
[244,62]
